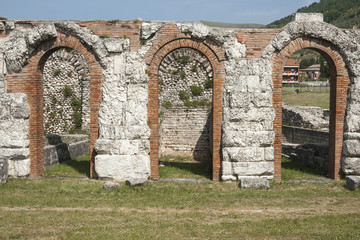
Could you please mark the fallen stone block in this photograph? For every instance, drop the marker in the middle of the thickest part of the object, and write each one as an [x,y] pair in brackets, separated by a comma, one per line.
[111,185]
[352,182]
[137,182]
[254,183]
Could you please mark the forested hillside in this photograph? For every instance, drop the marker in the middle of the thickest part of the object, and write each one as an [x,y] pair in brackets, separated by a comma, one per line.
[341,13]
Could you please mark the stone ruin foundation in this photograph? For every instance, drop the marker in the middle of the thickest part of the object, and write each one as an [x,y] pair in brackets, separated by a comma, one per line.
[135,72]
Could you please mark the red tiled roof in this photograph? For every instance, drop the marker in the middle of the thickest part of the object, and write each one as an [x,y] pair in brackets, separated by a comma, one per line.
[291,62]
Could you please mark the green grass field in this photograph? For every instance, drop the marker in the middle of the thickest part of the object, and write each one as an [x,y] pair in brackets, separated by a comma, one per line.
[315,98]
[73,208]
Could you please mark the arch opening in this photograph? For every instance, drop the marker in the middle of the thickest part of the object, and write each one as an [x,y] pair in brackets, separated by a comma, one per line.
[154,62]
[185,79]
[338,81]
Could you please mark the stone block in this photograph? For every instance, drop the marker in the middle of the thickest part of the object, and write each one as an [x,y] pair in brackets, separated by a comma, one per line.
[351,165]
[122,167]
[116,45]
[352,148]
[253,168]
[3,171]
[352,182]
[19,168]
[127,147]
[111,185]
[106,146]
[318,17]
[254,183]
[134,182]
[14,153]
[243,154]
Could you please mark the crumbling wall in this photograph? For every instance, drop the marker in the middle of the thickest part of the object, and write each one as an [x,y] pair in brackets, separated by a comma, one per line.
[121,124]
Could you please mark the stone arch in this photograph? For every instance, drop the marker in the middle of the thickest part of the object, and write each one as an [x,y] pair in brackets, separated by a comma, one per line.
[29,81]
[339,81]
[153,59]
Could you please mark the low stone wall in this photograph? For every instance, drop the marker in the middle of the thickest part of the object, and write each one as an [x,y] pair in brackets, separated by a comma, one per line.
[303,135]
[186,131]
[314,155]
[59,149]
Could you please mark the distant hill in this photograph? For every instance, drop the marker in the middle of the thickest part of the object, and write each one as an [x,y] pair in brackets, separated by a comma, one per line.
[232,25]
[340,13]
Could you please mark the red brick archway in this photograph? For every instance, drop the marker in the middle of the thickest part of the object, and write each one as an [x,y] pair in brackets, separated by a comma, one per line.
[339,81]
[154,61]
[30,82]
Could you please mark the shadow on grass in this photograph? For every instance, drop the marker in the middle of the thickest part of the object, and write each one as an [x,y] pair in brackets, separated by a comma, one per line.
[292,169]
[82,166]
[185,170]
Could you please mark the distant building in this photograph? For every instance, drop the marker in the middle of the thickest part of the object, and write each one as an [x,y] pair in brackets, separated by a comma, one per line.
[312,72]
[291,72]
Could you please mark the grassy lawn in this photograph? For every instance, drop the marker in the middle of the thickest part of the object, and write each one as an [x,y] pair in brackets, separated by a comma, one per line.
[183,167]
[317,99]
[71,208]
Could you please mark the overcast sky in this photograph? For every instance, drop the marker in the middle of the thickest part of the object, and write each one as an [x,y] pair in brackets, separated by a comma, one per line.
[230,11]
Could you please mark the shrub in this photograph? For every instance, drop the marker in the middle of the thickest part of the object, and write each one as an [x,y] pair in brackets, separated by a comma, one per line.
[67,91]
[196,90]
[54,99]
[184,59]
[194,68]
[57,72]
[167,104]
[76,104]
[77,120]
[208,83]
[161,81]
[182,74]
[183,95]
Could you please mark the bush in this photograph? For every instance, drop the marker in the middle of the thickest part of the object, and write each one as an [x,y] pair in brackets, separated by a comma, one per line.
[57,72]
[183,95]
[196,90]
[167,104]
[67,91]
[182,74]
[184,59]
[76,104]
[194,68]
[77,120]
[208,83]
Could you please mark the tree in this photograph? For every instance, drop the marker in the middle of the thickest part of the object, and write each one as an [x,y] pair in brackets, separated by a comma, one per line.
[324,68]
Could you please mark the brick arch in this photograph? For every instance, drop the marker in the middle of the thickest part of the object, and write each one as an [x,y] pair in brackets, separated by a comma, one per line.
[30,82]
[153,102]
[339,82]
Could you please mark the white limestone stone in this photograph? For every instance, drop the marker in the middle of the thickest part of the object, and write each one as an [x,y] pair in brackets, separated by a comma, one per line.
[122,167]
[318,17]
[116,45]
[19,168]
[253,168]
[351,165]
[149,29]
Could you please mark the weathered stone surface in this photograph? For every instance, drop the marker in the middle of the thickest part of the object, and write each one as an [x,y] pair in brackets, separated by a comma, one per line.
[122,167]
[352,182]
[19,168]
[308,17]
[254,183]
[149,29]
[40,34]
[351,148]
[137,182]
[116,45]
[253,168]
[351,165]
[234,49]
[111,185]
[3,171]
